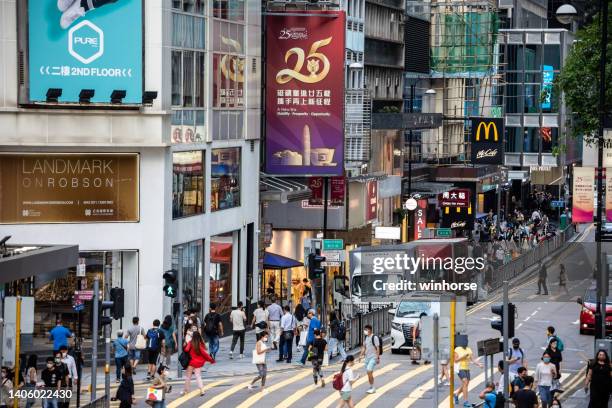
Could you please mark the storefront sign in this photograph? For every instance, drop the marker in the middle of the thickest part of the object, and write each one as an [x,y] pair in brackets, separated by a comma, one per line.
[443,233]
[387,233]
[582,199]
[548,76]
[333,244]
[69,187]
[420,218]
[337,186]
[487,139]
[305,94]
[100,50]
[315,184]
[83,295]
[228,81]
[455,198]
[372,200]
[609,195]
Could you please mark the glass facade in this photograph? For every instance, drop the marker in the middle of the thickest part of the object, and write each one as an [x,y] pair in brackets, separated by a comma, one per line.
[229,9]
[225,178]
[187,183]
[192,258]
[221,260]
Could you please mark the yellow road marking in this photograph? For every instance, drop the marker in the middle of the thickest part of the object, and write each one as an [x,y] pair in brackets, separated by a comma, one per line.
[415,395]
[362,380]
[177,402]
[257,396]
[370,398]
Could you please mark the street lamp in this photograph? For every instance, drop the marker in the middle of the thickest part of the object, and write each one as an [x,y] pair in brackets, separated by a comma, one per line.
[566,14]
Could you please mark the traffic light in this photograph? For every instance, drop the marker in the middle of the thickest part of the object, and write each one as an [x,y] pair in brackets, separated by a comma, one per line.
[103,318]
[499,323]
[116,295]
[315,270]
[171,285]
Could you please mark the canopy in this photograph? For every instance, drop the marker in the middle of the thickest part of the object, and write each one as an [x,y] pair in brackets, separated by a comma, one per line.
[274,261]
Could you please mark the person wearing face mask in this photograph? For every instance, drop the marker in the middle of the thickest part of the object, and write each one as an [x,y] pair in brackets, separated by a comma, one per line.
[371,350]
[67,359]
[159,383]
[51,379]
[63,377]
[259,359]
[544,375]
[7,386]
[314,324]
[555,358]
[189,333]
[516,358]
[599,380]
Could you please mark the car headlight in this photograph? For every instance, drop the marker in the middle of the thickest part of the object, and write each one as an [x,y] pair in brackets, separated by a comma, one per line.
[396,326]
[588,311]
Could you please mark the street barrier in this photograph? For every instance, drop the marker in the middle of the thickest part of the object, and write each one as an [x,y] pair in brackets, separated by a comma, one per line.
[378,318]
[97,403]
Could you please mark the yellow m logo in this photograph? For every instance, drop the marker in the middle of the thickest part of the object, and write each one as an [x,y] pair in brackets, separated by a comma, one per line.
[487,129]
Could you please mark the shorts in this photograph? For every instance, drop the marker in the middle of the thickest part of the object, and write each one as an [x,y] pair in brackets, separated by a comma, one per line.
[152,356]
[133,354]
[370,363]
[345,395]
[443,362]
[464,374]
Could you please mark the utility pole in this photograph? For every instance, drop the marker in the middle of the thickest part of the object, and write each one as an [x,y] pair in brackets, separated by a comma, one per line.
[179,324]
[506,340]
[17,349]
[451,357]
[107,336]
[94,343]
[325,205]
[436,339]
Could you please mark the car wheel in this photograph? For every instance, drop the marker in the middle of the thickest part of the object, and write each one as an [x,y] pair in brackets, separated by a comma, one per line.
[395,351]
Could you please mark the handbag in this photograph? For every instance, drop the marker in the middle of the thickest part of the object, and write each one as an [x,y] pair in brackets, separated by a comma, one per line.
[141,342]
[184,359]
[262,325]
[325,359]
[258,358]
[303,335]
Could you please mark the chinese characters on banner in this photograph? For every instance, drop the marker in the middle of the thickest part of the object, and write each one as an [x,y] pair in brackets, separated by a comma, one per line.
[337,191]
[315,184]
[454,198]
[582,199]
[228,83]
[305,94]
[372,200]
[420,218]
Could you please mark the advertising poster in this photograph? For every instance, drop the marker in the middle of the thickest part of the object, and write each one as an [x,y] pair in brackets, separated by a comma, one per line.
[420,218]
[455,198]
[74,48]
[337,190]
[305,94]
[228,81]
[608,194]
[487,139]
[548,76]
[315,184]
[372,200]
[583,199]
[64,187]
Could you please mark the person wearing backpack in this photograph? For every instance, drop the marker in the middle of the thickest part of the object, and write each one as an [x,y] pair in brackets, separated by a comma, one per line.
[213,329]
[170,347]
[155,339]
[337,336]
[516,358]
[343,382]
[550,334]
[371,350]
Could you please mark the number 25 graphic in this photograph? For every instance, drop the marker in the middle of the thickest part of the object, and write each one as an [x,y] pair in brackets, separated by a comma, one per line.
[285,75]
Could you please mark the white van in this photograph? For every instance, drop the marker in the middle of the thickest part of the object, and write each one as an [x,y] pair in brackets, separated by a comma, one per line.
[407,315]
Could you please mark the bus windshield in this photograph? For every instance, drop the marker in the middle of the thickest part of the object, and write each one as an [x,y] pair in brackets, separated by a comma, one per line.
[363,285]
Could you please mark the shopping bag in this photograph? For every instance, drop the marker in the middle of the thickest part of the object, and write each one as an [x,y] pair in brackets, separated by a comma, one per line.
[154,394]
[325,359]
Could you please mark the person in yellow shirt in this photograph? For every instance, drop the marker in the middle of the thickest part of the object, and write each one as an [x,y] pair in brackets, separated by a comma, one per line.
[463,357]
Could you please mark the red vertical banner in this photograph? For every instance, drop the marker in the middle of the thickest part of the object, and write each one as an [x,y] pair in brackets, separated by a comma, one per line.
[372,200]
[337,191]
[420,219]
[315,184]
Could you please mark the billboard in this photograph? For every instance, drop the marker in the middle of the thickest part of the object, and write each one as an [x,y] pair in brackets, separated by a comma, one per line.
[487,139]
[548,76]
[583,199]
[74,48]
[305,94]
[459,197]
[372,203]
[69,187]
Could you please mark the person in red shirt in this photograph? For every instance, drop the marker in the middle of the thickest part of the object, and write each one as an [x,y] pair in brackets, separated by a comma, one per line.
[197,358]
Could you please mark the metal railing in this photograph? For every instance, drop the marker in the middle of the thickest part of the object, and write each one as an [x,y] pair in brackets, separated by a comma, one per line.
[379,319]
[97,403]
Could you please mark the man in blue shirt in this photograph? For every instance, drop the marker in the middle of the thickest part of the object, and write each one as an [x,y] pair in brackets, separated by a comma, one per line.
[121,354]
[60,335]
[314,324]
[488,395]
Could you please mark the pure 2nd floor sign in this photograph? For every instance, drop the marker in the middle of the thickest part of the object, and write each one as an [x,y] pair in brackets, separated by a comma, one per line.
[487,140]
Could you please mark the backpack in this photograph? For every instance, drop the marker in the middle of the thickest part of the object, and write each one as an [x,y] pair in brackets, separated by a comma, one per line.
[338,382]
[380,346]
[560,346]
[210,328]
[153,336]
[341,335]
[510,355]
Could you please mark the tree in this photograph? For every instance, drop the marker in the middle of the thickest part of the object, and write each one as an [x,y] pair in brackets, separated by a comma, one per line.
[579,80]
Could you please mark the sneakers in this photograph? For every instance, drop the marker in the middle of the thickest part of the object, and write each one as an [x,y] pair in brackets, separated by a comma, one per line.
[371,390]
[467,404]
[63,5]
[241,356]
[251,387]
[456,397]
[231,355]
[322,383]
[71,14]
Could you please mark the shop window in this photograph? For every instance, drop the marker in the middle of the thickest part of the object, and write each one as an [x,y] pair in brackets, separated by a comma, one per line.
[228,37]
[225,178]
[187,183]
[192,258]
[221,256]
[187,78]
[229,9]
[531,141]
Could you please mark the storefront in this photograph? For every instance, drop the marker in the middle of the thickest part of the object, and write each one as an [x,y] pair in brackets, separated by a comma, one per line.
[225,178]
[279,278]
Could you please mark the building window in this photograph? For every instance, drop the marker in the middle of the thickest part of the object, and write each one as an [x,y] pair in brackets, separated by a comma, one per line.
[232,10]
[225,178]
[228,81]
[187,183]
[190,6]
[221,259]
[191,262]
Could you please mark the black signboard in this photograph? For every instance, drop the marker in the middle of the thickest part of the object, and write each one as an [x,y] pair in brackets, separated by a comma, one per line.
[487,139]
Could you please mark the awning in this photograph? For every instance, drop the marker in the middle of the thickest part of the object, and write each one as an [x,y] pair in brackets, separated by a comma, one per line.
[283,189]
[274,261]
[44,263]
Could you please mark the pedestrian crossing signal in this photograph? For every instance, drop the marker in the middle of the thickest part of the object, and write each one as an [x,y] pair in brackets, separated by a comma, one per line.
[171,285]
[170,290]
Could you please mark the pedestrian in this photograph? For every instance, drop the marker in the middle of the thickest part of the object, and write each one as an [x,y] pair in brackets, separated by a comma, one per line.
[63,377]
[599,380]
[275,312]
[519,381]
[372,345]
[500,387]
[59,335]
[556,358]
[562,279]
[337,336]
[314,323]
[134,333]
[238,319]
[444,373]
[550,334]
[51,379]
[189,330]
[288,326]
[31,377]
[155,342]
[259,359]
[213,329]
[160,383]
[125,391]
[348,378]
[299,314]
[260,319]
[197,358]
[463,356]
[416,335]
[6,389]
[489,395]
[68,360]
[542,274]
[169,347]
[526,397]
[121,354]
[306,294]
[545,373]
[516,358]
[317,350]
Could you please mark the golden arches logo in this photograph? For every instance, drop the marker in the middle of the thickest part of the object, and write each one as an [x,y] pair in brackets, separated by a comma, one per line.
[314,58]
[487,129]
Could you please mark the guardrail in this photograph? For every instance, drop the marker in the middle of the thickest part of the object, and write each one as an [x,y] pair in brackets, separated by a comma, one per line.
[379,319]
[495,277]
[99,402]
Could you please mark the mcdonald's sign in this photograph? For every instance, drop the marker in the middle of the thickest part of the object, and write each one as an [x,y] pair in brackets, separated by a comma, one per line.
[487,140]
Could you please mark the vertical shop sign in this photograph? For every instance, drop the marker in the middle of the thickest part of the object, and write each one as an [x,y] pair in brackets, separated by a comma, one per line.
[315,184]
[337,191]
[583,200]
[420,219]
[305,94]
[372,200]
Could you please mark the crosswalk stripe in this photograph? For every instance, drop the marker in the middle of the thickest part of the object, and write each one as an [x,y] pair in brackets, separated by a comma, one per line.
[177,402]
[415,395]
[364,379]
[368,400]
[257,396]
[474,382]
[215,400]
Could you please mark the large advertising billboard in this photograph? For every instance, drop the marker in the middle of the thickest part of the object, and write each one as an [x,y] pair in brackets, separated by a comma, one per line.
[583,199]
[74,47]
[305,94]
[487,139]
[68,187]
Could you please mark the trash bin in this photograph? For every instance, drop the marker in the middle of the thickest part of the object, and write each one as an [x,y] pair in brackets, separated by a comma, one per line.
[563,222]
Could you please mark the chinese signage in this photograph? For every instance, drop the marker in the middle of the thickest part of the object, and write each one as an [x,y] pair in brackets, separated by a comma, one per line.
[228,82]
[583,199]
[454,198]
[64,187]
[337,190]
[487,139]
[305,94]
[420,218]
[372,200]
[98,49]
